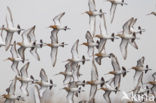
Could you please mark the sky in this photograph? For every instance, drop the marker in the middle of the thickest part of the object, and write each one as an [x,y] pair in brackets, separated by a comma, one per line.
[41,13]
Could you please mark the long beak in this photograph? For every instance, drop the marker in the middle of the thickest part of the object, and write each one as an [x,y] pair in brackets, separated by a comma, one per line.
[106,74]
[5,60]
[148,14]
[83,13]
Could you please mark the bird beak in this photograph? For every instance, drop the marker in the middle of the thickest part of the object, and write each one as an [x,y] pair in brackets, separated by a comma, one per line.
[148,14]
[5,60]
[83,13]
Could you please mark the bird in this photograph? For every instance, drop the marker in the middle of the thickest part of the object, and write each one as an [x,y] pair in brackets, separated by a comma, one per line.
[10,97]
[94,78]
[71,92]
[93,13]
[139,85]
[126,38]
[117,71]
[28,41]
[15,59]
[114,4]
[75,57]
[139,68]
[90,43]
[131,26]
[25,79]
[68,76]
[10,29]
[153,83]
[54,47]
[152,13]
[108,90]
[101,47]
[43,83]
[57,24]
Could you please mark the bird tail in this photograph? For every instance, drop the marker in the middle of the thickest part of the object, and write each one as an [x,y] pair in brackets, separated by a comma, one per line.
[124,71]
[83,59]
[83,83]
[98,42]
[113,36]
[19,31]
[103,82]
[33,80]
[101,13]
[62,44]
[134,35]
[79,91]
[98,60]
[41,43]
[147,69]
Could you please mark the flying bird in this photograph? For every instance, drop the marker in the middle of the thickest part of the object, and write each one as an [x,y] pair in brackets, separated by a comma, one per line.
[44,84]
[139,68]
[114,4]
[93,13]
[10,29]
[28,41]
[25,79]
[11,97]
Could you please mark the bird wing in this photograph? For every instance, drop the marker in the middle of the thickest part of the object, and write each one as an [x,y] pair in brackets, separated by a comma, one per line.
[126,26]
[140,80]
[31,34]
[21,52]
[53,55]
[94,72]
[89,37]
[91,4]
[12,87]
[24,70]
[133,22]
[93,91]
[74,49]
[34,52]
[117,79]
[107,96]
[70,96]
[24,88]
[13,50]
[11,18]
[134,44]
[154,76]
[68,67]
[54,37]
[112,11]
[8,40]
[92,23]
[140,62]
[43,75]
[14,66]
[123,48]
[57,18]
[115,64]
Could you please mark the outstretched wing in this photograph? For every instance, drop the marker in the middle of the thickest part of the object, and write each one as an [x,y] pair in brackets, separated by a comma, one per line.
[57,18]
[43,75]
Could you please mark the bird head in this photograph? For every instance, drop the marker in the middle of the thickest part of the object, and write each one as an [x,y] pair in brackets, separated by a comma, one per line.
[99,36]
[53,26]
[98,54]
[86,44]
[19,43]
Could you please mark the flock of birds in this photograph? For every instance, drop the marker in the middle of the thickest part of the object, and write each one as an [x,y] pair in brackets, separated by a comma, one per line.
[73,85]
